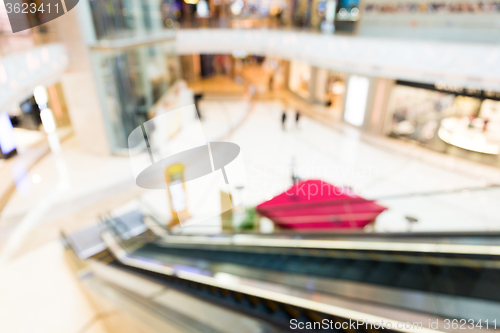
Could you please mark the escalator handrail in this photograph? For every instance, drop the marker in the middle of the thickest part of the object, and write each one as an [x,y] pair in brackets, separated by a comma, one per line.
[122,256]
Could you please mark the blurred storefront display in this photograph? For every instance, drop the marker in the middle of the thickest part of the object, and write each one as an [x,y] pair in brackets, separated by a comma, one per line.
[432,6]
[348,15]
[27,115]
[327,15]
[476,135]
[300,79]
[432,20]
[329,88]
[440,115]
[26,119]
[334,90]
[318,86]
[114,20]
[121,19]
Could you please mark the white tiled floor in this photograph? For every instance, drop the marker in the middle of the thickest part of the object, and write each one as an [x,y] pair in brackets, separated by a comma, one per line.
[40,294]
[376,168]
[342,157]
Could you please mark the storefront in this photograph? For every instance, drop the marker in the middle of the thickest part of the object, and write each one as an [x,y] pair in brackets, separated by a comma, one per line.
[330,88]
[348,15]
[462,121]
[300,79]
[326,15]
[319,86]
[27,122]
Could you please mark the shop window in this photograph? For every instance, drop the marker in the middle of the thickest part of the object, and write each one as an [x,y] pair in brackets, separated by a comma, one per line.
[300,76]
[440,120]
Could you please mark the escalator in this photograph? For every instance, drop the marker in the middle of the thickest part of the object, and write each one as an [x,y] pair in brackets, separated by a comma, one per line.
[469,282]
[348,283]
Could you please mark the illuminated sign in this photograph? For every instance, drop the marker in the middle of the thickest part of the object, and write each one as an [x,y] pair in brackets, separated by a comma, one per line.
[357,94]
[455,89]
[7,141]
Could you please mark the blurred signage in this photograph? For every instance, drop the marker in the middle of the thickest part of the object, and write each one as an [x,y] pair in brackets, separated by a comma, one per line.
[357,94]
[453,89]
[348,10]
[7,141]
[174,176]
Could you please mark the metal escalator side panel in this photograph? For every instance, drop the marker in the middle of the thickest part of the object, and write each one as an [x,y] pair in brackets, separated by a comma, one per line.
[238,288]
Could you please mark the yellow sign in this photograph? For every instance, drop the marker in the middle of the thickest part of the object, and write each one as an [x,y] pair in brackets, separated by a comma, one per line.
[174,177]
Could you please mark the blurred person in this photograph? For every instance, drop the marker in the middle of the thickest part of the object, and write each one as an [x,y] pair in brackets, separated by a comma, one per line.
[295,177]
[485,124]
[297,118]
[197,98]
[283,119]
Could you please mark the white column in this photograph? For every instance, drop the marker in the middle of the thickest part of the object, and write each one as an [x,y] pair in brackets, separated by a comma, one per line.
[78,82]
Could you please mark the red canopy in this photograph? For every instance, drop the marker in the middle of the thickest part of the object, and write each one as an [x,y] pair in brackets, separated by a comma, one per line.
[315,204]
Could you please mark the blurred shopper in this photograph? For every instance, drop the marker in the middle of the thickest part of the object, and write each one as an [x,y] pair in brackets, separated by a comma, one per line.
[283,120]
[297,118]
[197,98]
[295,177]
[485,124]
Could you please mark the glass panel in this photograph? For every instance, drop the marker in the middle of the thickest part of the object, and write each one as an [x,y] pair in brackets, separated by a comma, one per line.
[132,81]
